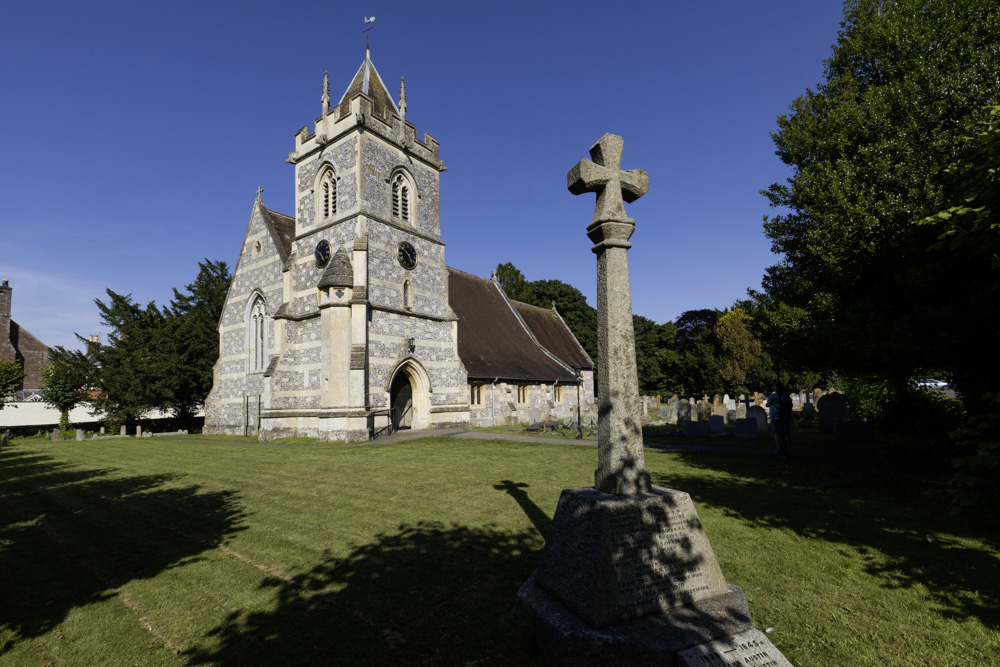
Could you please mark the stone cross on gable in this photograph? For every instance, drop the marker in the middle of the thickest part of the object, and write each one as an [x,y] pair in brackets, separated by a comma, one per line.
[260,191]
[621,465]
[606,177]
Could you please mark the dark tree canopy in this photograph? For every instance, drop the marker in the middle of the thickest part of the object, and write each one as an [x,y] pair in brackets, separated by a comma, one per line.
[861,287]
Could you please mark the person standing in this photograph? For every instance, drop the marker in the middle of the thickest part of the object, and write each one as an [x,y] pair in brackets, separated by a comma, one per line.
[779,405]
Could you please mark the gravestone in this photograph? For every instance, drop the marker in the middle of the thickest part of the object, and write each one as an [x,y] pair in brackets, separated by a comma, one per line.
[730,403]
[697,429]
[746,429]
[832,408]
[102,430]
[741,407]
[704,409]
[56,435]
[808,412]
[79,434]
[760,414]
[716,401]
[534,416]
[717,425]
[627,575]
[122,432]
[138,431]
[803,398]
[752,649]
[720,411]
[683,412]
[795,401]
[730,416]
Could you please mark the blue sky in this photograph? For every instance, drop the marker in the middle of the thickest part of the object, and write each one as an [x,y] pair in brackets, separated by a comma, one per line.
[134,135]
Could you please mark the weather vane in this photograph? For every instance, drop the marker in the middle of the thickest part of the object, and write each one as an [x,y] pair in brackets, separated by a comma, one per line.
[368,22]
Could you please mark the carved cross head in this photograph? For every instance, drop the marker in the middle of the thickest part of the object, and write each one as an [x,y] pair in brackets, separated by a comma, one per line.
[604,175]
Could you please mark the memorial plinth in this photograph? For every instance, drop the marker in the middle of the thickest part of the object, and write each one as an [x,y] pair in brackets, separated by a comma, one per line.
[627,576]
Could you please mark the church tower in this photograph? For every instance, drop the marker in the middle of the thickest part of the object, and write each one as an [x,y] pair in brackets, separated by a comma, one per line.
[368,335]
[337,323]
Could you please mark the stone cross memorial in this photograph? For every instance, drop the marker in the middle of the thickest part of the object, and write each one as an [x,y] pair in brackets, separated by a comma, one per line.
[627,575]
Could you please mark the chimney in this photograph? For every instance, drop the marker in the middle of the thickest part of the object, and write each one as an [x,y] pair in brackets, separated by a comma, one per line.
[7,350]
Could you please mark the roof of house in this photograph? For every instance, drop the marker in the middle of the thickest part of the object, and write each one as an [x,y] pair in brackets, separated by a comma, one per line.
[494,340]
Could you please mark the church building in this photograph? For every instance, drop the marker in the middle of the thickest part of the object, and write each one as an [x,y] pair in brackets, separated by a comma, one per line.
[343,321]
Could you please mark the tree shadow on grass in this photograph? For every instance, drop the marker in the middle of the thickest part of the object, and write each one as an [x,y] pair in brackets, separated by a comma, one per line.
[427,593]
[70,536]
[881,516]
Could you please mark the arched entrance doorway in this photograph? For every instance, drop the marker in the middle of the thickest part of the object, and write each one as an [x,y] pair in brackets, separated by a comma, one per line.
[409,393]
[401,402]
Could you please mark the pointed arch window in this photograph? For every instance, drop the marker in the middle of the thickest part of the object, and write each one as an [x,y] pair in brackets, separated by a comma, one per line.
[402,198]
[257,333]
[328,194]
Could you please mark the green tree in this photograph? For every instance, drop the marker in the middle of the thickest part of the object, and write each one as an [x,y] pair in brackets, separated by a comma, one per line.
[656,358]
[11,377]
[133,371]
[513,283]
[861,287]
[64,379]
[740,351]
[193,337]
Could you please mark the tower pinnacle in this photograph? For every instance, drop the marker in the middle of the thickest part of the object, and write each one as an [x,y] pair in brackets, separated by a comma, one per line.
[326,92]
[402,98]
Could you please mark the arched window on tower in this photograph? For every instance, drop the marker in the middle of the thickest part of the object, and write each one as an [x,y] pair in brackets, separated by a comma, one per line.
[402,198]
[328,194]
[257,333]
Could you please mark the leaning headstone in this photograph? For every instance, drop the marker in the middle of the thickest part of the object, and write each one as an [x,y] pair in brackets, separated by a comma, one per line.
[760,414]
[627,575]
[746,429]
[717,425]
[79,434]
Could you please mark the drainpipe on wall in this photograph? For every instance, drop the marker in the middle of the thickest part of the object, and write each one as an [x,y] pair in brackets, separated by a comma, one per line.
[493,401]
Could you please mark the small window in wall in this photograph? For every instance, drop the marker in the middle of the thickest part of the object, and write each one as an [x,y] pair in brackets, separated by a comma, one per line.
[522,393]
[557,394]
[475,394]
[407,295]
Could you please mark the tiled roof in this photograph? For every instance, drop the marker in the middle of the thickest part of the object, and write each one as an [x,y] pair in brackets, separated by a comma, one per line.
[282,228]
[552,333]
[493,341]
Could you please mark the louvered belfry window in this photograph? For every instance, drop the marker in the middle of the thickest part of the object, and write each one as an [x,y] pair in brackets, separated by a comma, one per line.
[329,195]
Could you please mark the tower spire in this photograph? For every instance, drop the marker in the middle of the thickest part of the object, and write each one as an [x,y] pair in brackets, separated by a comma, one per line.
[326,92]
[402,98]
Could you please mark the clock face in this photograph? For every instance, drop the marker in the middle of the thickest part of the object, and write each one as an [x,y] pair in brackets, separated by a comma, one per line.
[322,253]
[407,255]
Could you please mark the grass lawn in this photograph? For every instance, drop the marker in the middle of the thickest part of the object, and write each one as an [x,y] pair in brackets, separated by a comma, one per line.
[167,551]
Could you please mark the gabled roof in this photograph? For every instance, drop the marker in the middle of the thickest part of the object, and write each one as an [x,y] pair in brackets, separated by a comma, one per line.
[551,332]
[282,229]
[493,340]
[368,81]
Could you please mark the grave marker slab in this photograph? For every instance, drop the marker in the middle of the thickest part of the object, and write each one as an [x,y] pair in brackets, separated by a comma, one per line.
[747,649]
